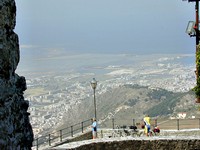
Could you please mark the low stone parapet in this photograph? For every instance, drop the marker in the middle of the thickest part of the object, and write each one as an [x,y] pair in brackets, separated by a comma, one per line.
[124,143]
[167,140]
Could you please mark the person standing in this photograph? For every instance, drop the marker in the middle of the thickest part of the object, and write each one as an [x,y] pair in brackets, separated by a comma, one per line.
[94,129]
[147,125]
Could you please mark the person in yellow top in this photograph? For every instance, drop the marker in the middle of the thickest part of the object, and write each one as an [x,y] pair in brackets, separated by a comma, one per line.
[147,125]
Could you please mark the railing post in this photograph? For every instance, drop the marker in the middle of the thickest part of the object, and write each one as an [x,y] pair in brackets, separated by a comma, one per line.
[199,123]
[155,122]
[113,123]
[60,135]
[37,144]
[72,131]
[177,124]
[120,133]
[49,139]
[133,122]
[101,133]
[82,126]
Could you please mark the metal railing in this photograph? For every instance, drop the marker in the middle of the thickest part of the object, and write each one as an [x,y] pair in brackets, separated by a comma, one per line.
[60,135]
[70,131]
[175,124]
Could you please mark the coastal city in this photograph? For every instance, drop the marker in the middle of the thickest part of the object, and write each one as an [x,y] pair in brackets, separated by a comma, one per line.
[52,96]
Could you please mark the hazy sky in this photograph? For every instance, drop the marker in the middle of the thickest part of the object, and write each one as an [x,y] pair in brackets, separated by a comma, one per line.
[105,26]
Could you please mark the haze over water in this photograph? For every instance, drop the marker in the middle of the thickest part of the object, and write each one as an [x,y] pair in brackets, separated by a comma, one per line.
[36,65]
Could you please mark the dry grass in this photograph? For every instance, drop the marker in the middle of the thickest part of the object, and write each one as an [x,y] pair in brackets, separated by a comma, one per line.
[179,124]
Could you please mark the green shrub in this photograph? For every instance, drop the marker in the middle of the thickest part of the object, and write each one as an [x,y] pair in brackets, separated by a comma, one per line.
[197,87]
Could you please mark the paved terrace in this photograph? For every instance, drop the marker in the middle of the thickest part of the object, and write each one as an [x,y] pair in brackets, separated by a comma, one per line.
[168,139]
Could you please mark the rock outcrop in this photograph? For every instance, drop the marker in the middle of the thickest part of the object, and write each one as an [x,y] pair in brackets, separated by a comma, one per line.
[15,128]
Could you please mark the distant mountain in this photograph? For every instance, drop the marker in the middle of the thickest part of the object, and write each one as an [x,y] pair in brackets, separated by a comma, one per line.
[130,102]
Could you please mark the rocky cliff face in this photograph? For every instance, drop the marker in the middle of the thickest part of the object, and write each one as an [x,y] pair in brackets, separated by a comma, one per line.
[15,129]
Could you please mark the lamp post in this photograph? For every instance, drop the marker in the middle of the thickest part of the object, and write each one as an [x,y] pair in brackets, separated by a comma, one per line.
[94,85]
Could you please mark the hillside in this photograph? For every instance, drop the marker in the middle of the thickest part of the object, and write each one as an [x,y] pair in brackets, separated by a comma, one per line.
[133,101]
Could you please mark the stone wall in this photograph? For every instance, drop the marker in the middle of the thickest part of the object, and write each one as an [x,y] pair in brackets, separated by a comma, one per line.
[167,140]
[85,136]
[78,137]
[161,144]
[16,131]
